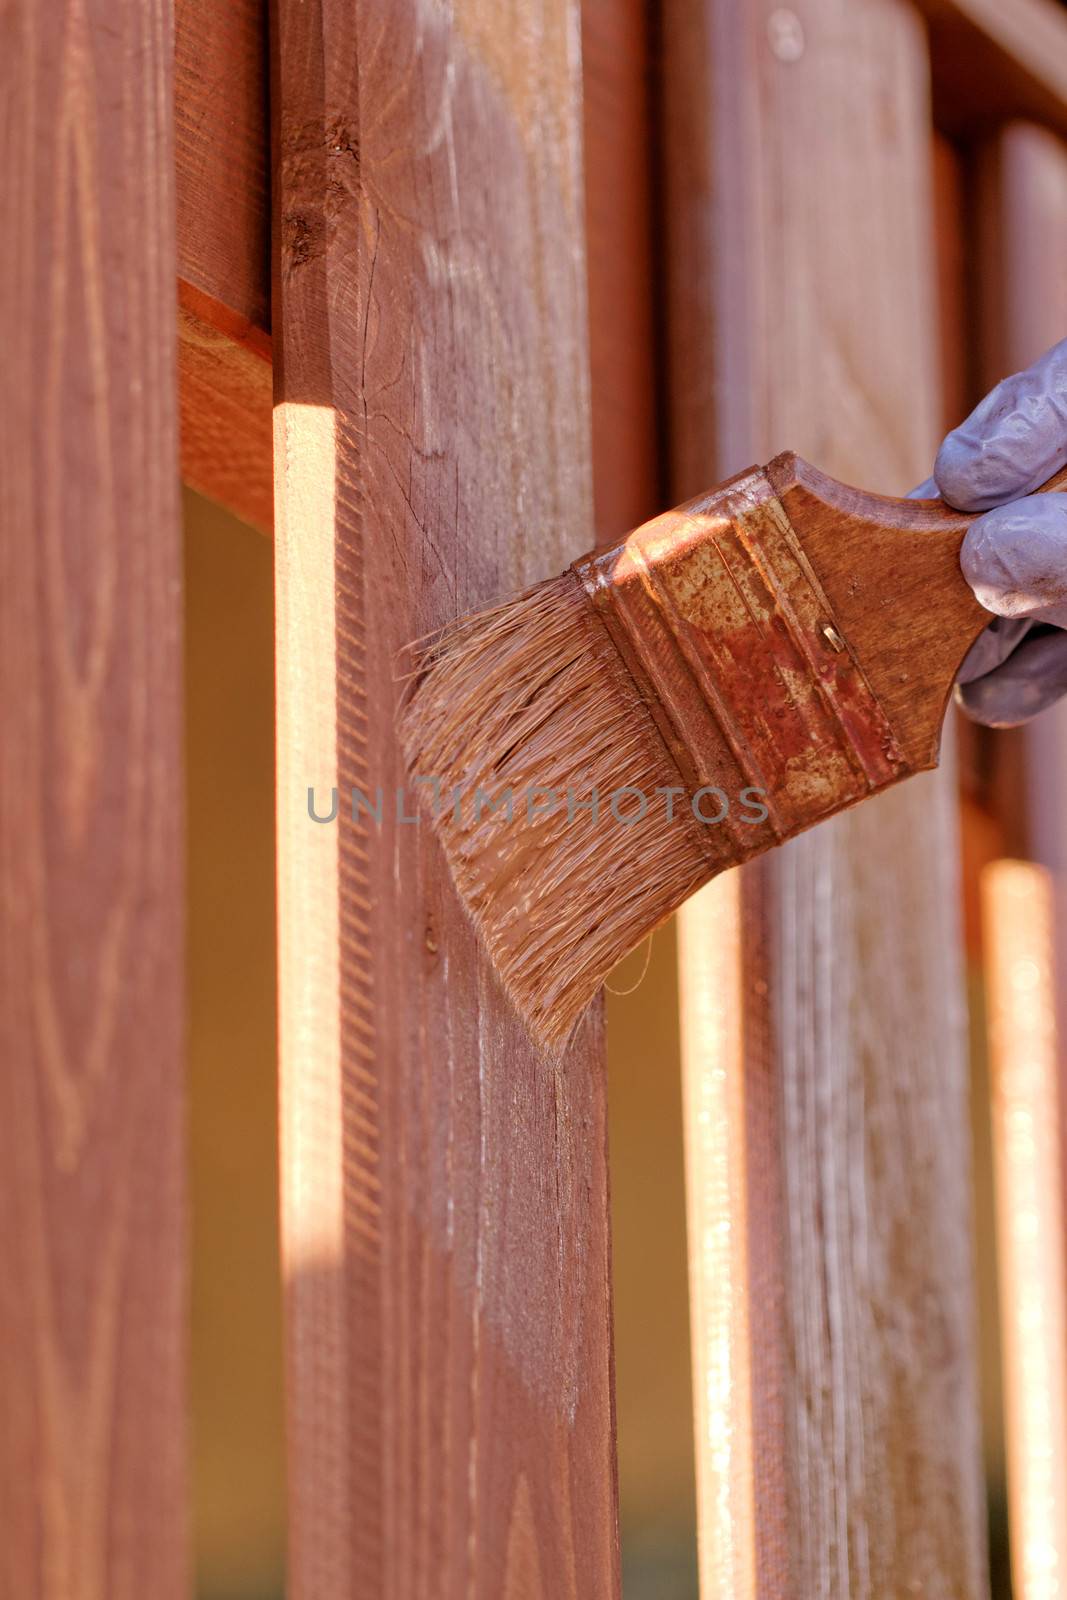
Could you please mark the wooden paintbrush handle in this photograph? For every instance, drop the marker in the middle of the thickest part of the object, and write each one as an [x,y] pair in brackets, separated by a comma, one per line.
[793,636]
[890,570]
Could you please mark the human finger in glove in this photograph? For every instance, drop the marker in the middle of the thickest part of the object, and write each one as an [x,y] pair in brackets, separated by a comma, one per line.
[1015,555]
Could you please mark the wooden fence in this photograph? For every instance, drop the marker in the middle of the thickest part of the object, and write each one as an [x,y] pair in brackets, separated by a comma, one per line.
[527,272]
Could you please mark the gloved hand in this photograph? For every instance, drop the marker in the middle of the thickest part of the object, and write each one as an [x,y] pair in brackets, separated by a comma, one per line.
[1015,556]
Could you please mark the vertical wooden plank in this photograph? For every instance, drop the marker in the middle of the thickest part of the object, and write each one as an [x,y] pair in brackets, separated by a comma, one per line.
[221,150]
[980,838]
[92,1280]
[1020,186]
[225,409]
[953,280]
[1021,208]
[653,1398]
[444,1188]
[222,146]
[617,69]
[1027,1114]
[831,1254]
[712,984]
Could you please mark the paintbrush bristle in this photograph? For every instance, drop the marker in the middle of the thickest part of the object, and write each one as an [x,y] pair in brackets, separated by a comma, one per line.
[531,701]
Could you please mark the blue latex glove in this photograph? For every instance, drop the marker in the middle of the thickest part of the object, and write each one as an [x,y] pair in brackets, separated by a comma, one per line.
[1015,556]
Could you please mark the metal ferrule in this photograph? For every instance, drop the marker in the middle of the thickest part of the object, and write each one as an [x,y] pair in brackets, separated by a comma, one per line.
[731,640]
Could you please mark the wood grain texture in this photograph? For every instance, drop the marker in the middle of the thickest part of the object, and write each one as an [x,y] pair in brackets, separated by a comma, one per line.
[1027,1118]
[226,401]
[92,1281]
[801,314]
[653,1397]
[444,1189]
[222,149]
[617,69]
[221,179]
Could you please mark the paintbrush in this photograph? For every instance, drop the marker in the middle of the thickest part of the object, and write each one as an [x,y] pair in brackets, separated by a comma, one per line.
[733,672]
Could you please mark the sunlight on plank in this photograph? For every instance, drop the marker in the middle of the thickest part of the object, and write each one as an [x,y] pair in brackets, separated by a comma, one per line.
[1018,926]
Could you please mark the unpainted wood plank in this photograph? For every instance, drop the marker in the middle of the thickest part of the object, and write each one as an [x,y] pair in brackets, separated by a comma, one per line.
[831,1257]
[92,1187]
[1018,903]
[444,1188]
[726,1407]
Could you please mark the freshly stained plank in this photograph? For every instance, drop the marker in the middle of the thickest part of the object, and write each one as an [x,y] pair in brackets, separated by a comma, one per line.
[222,149]
[1021,207]
[994,59]
[653,1398]
[953,299]
[221,160]
[825,1064]
[226,399]
[1027,1113]
[617,95]
[1021,187]
[1021,191]
[92,1278]
[1025,177]
[444,1189]
[981,837]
